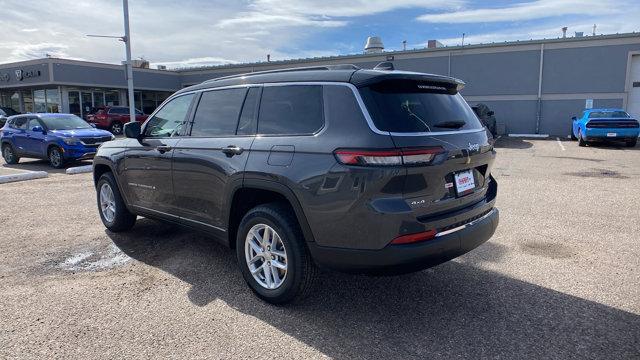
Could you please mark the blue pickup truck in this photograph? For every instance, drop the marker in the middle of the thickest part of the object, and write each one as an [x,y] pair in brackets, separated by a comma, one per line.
[605,125]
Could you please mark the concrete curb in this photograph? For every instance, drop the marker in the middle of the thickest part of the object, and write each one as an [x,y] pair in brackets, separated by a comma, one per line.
[79,169]
[23,176]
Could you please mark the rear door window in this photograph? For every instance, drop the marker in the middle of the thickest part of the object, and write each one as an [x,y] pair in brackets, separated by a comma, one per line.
[291,110]
[411,107]
[218,112]
[19,123]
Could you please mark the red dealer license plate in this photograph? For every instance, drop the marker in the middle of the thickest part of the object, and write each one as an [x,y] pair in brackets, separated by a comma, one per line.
[464,182]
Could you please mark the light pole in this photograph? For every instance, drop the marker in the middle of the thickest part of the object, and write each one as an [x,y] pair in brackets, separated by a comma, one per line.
[129,67]
[127,43]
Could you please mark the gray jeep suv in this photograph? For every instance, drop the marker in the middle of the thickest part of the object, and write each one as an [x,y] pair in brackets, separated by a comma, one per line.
[365,171]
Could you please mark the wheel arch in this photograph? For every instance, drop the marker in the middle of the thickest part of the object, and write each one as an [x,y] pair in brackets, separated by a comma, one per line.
[253,192]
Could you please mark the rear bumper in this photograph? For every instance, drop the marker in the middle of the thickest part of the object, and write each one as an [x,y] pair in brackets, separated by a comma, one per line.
[603,134]
[411,257]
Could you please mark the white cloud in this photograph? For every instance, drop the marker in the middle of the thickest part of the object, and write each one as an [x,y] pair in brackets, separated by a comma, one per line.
[622,23]
[527,11]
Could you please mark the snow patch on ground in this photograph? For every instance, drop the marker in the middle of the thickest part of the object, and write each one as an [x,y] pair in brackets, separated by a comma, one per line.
[95,261]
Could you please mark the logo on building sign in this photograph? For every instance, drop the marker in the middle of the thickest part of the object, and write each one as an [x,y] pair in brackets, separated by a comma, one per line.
[21,74]
[4,77]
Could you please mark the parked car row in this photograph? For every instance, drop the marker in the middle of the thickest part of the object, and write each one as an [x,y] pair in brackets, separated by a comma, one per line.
[59,138]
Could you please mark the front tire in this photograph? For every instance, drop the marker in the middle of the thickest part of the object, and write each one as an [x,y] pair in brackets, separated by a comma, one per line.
[581,141]
[116,128]
[272,254]
[9,155]
[56,157]
[113,212]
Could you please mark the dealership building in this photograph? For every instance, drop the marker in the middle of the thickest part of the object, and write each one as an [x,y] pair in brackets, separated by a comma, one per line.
[534,86]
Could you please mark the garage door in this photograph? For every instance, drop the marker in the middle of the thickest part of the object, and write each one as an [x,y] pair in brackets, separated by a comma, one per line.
[633,104]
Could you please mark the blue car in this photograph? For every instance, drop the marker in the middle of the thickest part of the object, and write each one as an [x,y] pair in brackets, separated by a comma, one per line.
[605,125]
[60,138]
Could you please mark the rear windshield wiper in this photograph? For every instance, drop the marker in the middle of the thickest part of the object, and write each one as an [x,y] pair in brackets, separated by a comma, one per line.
[450,124]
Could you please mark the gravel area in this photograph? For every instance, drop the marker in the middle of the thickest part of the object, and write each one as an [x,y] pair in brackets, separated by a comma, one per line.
[560,278]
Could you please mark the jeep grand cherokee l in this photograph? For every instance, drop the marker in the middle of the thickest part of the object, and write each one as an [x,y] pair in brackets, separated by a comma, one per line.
[362,171]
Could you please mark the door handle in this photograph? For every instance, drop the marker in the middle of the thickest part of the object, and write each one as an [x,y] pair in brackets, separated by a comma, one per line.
[232,150]
[163,148]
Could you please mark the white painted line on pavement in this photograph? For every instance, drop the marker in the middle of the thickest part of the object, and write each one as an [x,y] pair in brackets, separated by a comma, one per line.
[560,144]
[530,135]
[23,176]
[79,169]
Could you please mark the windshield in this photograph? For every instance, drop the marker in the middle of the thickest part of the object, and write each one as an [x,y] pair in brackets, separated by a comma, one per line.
[608,114]
[409,107]
[64,122]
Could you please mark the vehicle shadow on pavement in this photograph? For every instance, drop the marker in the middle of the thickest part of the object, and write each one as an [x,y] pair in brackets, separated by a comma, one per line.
[454,310]
[506,142]
[43,165]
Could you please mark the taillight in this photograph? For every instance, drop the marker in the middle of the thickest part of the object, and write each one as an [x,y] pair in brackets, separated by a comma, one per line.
[414,238]
[411,156]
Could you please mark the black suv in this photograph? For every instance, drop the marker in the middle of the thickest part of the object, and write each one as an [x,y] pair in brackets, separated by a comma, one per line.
[365,171]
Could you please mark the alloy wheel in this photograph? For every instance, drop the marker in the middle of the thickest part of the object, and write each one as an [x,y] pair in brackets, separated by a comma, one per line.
[55,157]
[7,153]
[116,128]
[266,256]
[107,203]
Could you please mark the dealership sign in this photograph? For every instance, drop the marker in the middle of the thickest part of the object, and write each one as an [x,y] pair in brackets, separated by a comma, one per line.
[21,75]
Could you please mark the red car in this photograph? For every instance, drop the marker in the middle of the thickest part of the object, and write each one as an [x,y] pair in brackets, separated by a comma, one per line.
[113,118]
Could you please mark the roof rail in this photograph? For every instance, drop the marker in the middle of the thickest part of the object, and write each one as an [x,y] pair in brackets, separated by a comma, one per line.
[306,68]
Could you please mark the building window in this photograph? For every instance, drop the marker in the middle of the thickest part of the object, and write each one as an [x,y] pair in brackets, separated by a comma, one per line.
[39,101]
[27,101]
[112,98]
[53,100]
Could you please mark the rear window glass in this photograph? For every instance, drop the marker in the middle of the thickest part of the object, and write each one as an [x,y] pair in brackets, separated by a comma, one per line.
[409,107]
[218,112]
[608,114]
[291,110]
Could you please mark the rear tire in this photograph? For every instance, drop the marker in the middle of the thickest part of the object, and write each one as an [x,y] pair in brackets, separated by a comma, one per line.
[632,143]
[113,212]
[581,141]
[573,136]
[116,128]
[56,157]
[9,155]
[285,235]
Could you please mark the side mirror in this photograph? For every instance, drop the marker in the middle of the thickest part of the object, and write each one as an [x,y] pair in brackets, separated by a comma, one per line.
[37,129]
[132,130]
[574,118]
[490,113]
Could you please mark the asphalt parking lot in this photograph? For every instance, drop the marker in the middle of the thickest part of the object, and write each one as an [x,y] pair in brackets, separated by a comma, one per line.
[560,278]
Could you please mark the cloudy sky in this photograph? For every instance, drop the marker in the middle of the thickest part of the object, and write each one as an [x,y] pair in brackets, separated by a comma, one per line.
[197,32]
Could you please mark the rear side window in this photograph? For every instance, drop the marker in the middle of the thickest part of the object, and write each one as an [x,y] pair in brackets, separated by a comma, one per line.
[412,107]
[116,111]
[218,112]
[290,110]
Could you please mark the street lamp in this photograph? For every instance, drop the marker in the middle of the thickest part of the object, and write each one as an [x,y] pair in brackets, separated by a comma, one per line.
[129,67]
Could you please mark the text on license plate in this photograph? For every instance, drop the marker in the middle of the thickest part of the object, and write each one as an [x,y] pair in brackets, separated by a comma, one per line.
[612,134]
[464,181]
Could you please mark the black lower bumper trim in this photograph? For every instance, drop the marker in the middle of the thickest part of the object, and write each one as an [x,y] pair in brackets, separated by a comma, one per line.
[395,259]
